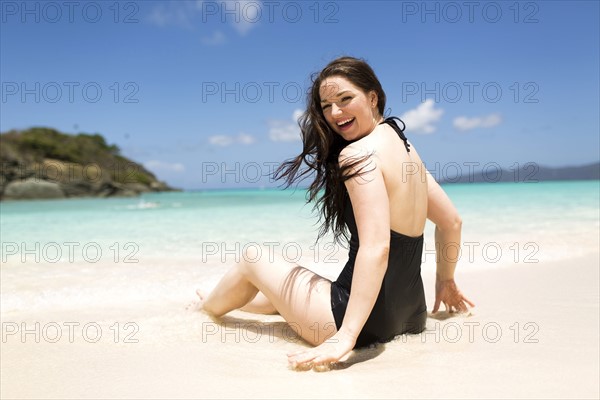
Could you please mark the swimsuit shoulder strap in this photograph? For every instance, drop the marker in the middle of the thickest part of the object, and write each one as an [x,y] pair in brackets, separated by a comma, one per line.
[400,131]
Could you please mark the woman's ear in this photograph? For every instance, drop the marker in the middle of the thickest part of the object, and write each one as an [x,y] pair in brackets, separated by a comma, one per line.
[373,98]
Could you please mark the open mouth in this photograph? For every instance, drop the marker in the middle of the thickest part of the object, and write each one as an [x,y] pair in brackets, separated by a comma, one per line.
[345,124]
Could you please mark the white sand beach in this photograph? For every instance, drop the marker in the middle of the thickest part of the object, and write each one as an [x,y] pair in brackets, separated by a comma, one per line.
[533,334]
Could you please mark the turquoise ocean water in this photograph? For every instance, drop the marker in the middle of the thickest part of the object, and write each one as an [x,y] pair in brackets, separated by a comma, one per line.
[177,224]
[55,250]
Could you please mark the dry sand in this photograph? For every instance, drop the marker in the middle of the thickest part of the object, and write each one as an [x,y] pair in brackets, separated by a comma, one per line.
[533,334]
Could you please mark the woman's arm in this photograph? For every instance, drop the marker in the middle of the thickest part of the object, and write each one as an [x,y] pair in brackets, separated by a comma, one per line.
[371,209]
[371,212]
[448,225]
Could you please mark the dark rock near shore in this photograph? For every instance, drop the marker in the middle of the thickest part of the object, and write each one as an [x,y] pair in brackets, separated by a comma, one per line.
[42,163]
[33,188]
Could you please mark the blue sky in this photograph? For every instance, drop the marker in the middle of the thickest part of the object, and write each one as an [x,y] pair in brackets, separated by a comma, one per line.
[204,94]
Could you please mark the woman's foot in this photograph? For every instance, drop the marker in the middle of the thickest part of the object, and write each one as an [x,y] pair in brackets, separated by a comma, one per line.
[202,296]
[197,305]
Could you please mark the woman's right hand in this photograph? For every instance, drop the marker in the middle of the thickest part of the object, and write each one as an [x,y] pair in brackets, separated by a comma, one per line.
[448,293]
[330,351]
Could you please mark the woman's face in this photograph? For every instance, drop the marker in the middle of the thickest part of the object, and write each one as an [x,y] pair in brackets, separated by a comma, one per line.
[347,109]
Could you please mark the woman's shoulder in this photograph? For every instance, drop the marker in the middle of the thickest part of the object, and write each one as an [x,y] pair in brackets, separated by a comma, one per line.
[360,149]
[367,146]
[380,138]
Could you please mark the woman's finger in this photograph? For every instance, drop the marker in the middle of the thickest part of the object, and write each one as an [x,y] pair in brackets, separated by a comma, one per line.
[469,301]
[295,353]
[303,358]
[436,305]
[323,359]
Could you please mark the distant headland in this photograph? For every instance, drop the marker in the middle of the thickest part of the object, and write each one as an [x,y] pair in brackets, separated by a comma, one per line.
[529,173]
[43,163]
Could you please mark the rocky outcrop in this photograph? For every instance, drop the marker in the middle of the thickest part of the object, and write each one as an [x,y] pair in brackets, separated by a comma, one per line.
[42,163]
[33,188]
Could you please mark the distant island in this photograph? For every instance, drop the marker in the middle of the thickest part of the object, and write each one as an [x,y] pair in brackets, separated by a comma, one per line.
[43,163]
[528,173]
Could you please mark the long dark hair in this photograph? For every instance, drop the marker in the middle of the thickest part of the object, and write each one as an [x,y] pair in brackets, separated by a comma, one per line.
[322,146]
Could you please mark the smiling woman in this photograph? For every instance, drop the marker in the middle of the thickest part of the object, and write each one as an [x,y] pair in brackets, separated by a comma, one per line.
[346,108]
[369,183]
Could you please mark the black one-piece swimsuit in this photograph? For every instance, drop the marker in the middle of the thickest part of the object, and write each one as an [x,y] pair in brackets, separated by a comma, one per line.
[400,306]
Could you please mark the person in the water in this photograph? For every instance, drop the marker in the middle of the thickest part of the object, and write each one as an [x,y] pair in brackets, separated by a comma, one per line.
[369,182]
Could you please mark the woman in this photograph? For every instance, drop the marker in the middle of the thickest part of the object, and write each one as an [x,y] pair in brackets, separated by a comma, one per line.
[370,181]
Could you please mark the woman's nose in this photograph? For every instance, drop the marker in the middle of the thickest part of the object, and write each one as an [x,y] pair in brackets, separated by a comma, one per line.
[335,110]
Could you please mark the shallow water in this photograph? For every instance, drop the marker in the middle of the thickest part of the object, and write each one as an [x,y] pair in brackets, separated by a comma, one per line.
[78,253]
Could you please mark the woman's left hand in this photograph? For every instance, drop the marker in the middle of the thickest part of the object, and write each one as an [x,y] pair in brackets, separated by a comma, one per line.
[330,351]
[448,293]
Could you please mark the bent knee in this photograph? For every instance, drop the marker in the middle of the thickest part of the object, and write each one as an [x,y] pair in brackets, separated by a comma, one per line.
[252,253]
[250,257]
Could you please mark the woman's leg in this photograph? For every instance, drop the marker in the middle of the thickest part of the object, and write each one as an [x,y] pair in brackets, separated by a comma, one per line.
[298,294]
[260,305]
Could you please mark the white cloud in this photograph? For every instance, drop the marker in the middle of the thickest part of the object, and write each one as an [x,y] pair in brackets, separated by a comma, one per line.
[487,121]
[162,166]
[220,140]
[297,114]
[246,14]
[216,39]
[242,15]
[285,130]
[244,138]
[228,140]
[422,118]
[178,13]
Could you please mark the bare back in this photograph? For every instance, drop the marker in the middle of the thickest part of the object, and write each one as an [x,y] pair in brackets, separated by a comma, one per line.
[404,177]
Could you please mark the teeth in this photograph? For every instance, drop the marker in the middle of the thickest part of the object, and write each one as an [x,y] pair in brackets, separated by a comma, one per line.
[345,121]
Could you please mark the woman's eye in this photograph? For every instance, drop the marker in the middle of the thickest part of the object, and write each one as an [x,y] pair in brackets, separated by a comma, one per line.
[345,99]
[326,106]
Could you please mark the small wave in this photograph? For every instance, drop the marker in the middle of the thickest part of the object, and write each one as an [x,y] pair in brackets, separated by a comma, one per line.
[143,205]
